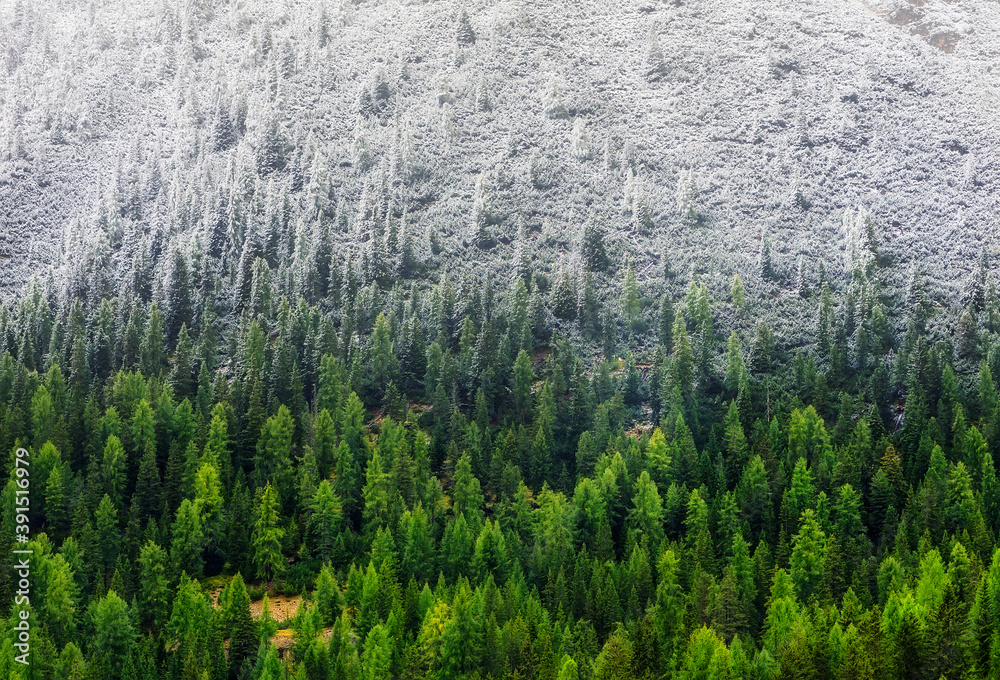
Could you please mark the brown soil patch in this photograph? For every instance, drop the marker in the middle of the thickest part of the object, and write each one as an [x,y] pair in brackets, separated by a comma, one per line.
[283,607]
[912,17]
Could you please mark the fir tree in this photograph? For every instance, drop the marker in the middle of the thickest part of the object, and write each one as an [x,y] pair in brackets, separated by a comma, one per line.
[592,249]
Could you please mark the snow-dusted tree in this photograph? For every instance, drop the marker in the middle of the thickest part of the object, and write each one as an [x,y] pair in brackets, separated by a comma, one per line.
[862,241]
[630,295]
[464,35]
[482,212]
[321,25]
[610,162]
[969,178]
[536,172]
[764,265]
[318,189]
[632,188]
[686,196]
[434,241]
[267,140]
[363,104]
[484,103]
[177,303]
[802,277]
[223,131]
[629,158]
[738,293]
[408,262]
[802,128]
[552,101]
[361,155]
[579,140]
[381,92]
[656,65]
[405,165]
[642,217]
[592,250]
[522,257]
[448,128]
[974,297]
[564,297]
[442,88]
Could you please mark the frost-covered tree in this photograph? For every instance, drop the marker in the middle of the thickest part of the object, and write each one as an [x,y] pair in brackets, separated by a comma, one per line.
[464,34]
[579,140]
[738,293]
[765,266]
[552,101]
[178,305]
[267,139]
[484,102]
[686,196]
[592,251]
[630,295]
[482,212]
[656,65]
[974,296]
[862,240]
[361,154]
[564,297]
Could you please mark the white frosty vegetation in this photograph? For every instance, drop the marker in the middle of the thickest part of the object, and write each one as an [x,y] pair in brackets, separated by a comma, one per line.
[686,196]
[484,102]
[552,101]
[656,65]
[859,235]
[579,140]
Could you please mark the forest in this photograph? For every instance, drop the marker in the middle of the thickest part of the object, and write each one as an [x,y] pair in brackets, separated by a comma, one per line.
[447,490]
[398,340]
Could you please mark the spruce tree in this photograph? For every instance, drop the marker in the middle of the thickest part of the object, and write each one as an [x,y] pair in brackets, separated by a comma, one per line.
[592,250]
[564,297]
[178,310]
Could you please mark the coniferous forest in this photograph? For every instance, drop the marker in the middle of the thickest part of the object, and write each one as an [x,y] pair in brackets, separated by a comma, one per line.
[447,490]
[326,355]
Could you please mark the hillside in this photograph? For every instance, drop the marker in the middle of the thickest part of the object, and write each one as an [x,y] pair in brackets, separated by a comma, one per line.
[785,114]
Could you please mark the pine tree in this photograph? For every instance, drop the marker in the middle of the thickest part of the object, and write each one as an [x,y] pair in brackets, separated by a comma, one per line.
[152,351]
[687,197]
[114,638]
[153,595]
[656,65]
[974,297]
[237,623]
[484,103]
[524,376]
[765,265]
[646,516]
[323,527]
[808,555]
[564,298]
[272,461]
[178,306]
[186,550]
[553,106]
[738,293]
[464,35]
[267,536]
[592,250]
[630,295]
